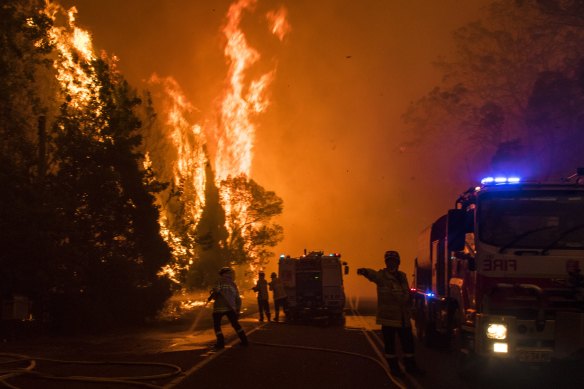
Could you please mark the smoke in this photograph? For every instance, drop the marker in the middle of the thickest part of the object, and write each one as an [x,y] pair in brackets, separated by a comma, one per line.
[329,142]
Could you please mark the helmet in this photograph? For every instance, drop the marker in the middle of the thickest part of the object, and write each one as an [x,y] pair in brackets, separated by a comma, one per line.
[273,275]
[392,255]
[225,270]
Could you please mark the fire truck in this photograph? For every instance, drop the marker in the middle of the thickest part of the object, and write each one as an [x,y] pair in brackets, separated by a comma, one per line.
[314,286]
[499,278]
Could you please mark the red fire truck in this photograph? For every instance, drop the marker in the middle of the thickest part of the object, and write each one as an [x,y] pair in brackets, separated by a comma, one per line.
[499,276]
[314,286]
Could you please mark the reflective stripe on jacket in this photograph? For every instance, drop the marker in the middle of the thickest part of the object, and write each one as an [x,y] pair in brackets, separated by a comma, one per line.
[393,297]
[226,296]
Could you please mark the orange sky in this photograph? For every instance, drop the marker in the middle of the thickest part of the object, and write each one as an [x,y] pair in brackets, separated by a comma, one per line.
[329,142]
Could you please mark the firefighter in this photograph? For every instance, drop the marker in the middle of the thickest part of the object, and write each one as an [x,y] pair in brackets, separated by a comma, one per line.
[279,294]
[227,303]
[394,312]
[261,288]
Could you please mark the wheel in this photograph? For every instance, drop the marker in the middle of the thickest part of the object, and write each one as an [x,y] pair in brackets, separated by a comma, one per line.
[469,364]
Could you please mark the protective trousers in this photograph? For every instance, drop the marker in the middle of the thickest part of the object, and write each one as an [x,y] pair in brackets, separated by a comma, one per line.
[406,340]
[283,303]
[232,316]
[264,306]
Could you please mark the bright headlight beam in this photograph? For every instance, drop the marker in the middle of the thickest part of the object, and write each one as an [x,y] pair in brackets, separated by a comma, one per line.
[497,331]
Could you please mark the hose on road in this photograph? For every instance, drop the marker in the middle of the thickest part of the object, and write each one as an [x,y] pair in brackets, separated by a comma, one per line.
[12,372]
[328,350]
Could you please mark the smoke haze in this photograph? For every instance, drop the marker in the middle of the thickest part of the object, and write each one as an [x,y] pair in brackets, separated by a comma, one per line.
[329,143]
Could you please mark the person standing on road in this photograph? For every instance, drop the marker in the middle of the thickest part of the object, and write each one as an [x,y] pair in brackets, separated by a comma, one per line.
[261,288]
[227,303]
[394,312]
[279,294]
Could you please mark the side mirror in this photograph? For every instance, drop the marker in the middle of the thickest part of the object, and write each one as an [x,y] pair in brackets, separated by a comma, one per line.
[456,229]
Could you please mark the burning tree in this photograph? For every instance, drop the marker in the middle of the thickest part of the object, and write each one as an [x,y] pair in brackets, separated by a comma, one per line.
[109,200]
[80,231]
[204,212]
[251,232]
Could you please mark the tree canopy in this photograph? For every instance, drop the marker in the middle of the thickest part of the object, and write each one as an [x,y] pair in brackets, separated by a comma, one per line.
[80,231]
[513,84]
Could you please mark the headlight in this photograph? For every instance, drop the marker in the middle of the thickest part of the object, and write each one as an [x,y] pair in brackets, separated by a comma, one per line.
[497,331]
[500,348]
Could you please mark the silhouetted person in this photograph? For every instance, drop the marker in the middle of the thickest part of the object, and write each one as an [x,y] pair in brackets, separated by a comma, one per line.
[261,288]
[279,294]
[227,303]
[394,312]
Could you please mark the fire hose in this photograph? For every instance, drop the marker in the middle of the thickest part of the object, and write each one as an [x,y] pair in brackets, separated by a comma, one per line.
[329,350]
[13,372]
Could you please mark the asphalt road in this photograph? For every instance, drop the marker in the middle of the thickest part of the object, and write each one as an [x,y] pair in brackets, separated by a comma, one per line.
[280,356]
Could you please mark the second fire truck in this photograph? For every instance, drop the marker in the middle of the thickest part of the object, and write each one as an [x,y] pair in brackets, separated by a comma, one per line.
[314,285]
[500,275]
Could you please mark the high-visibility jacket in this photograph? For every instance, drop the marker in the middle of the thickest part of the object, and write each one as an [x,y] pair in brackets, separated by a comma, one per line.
[393,297]
[226,295]
[277,287]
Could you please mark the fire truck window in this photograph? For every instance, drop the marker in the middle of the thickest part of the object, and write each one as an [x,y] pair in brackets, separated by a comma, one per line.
[532,219]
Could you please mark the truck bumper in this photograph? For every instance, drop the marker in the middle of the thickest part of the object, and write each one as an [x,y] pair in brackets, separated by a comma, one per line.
[530,341]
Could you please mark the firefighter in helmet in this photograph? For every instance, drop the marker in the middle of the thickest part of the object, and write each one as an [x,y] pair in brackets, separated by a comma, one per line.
[227,303]
[394,312]
[261,288]
[280,297]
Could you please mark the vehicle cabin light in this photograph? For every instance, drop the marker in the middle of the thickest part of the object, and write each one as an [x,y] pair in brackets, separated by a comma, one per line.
[497,331]
[500,347]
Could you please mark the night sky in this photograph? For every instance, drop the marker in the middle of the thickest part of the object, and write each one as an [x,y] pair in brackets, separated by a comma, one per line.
[329,144]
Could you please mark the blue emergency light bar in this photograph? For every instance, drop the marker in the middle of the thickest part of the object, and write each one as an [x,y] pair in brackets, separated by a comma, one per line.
[499,180]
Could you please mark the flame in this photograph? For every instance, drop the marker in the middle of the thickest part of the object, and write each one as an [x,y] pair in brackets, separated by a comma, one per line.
[75,71]
[188,169]
[241,102]
[279,25]
[187,139]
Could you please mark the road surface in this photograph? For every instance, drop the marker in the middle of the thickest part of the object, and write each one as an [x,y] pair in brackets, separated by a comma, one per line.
[280,356]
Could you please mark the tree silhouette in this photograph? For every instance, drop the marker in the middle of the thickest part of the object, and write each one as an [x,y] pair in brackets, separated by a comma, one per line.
[493,83]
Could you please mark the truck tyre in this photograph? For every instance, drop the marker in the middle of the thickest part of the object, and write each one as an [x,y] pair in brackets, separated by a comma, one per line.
[469,364]
[426,332]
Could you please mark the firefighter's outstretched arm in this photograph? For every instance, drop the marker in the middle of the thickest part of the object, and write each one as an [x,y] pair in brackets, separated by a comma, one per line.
[370,274]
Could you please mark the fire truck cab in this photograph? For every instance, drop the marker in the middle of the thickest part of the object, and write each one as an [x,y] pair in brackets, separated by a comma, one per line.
[314,286]
[500,275]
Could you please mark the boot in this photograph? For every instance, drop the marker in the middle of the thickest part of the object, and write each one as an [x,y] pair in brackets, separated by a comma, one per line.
[394,368]
[220,342]
[242,338]
[412,368]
